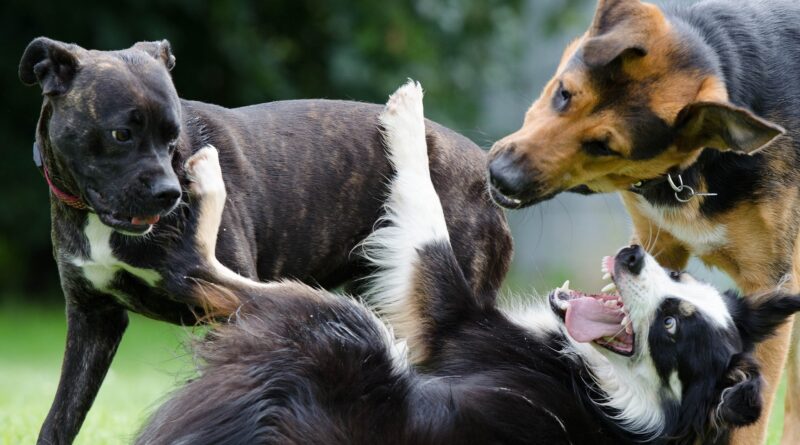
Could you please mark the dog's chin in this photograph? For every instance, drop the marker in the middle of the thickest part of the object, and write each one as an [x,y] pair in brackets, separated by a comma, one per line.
[515,203]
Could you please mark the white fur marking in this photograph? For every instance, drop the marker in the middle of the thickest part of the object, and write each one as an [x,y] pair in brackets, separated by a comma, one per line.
[701,236]
[205,174]
[413,213]
[536,317]
[208,186]
[642,294]
[632,387]
[102,266]
[675,385]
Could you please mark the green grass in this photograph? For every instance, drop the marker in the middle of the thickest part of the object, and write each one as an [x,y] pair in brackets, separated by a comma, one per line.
[151,361]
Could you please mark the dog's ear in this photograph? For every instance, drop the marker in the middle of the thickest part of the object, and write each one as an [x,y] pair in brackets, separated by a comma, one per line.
[740,400]
[51,64]
[723,126]
[615,32]
[600,52]
[757,318]
[160,50]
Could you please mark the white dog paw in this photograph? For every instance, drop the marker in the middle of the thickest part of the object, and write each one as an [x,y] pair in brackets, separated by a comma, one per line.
[403,123]
[205,174]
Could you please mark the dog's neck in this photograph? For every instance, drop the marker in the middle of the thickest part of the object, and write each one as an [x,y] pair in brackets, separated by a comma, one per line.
[630,400]
[62,185]
[674,188]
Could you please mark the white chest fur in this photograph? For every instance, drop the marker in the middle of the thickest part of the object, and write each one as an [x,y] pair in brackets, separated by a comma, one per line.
[101,266]
[686,225]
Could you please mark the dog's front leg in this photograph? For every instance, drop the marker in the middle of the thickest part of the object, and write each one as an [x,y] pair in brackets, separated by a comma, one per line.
[93,335]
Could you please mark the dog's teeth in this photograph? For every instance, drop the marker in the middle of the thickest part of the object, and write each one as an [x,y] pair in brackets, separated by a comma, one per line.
[607,276]
[565,286]
[625,320]
[610,287]
[628,329]
[516,201]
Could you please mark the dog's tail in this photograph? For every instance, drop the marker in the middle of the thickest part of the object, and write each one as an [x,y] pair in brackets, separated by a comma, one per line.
[418,285]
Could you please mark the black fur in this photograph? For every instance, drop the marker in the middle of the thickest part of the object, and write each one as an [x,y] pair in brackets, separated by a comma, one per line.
[298,366]
[301,368]
[305,181]
[750,45]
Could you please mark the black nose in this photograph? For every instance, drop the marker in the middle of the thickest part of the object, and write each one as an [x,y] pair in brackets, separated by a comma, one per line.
[508,175]
[632,259]
[165,192]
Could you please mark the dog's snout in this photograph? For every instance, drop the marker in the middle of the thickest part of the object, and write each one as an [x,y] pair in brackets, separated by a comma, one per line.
[632,259]
[165,192]
[508,175]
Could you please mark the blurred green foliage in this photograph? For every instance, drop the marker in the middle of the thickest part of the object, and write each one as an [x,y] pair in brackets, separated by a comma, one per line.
[239,52]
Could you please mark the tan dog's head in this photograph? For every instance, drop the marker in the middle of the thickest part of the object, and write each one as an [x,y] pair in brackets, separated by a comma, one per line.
[636,96]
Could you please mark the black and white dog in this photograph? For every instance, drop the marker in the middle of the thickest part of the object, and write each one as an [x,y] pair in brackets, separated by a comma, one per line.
[667,359]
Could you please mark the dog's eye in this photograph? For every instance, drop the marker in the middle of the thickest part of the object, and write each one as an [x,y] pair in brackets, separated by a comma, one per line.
[121,135]
[562,98]
[671,325]
[598,148]
[675,275]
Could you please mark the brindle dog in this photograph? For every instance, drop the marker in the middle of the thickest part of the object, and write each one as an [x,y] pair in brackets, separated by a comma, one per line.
[680,109]
[305,179]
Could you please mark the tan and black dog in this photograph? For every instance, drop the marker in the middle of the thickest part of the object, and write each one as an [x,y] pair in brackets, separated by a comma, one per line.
[306,182]
[681,110]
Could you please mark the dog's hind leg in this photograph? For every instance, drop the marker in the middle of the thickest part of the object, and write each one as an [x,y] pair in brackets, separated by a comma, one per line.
[93,334]
[412,252]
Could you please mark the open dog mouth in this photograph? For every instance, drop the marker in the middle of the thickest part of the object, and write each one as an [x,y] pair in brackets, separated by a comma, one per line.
[598,318]
[514,203]
[128,224]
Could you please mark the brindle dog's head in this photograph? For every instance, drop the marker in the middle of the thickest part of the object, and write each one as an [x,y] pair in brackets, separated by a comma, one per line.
[636,96]
[109,126]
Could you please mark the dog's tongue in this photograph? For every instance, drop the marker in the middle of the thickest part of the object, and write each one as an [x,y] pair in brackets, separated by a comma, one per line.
[588,319]
[141,220]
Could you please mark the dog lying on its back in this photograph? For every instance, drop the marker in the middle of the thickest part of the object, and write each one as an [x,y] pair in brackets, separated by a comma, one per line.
[667,360]
[305,182]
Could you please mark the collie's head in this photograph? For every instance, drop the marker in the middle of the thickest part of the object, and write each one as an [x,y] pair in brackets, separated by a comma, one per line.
[671,354]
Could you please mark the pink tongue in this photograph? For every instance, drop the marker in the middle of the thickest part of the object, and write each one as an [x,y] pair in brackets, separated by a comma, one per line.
[140,220]
[588,320]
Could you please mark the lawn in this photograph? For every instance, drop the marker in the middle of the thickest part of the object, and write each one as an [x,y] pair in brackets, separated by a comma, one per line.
[150,362]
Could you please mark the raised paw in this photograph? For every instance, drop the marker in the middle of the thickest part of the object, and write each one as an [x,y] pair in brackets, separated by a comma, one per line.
[205,174]
[208,189]
[403,124]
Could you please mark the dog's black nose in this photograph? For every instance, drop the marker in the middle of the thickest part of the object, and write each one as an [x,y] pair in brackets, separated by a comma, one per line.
[508,176]
[165,192]
[632,259]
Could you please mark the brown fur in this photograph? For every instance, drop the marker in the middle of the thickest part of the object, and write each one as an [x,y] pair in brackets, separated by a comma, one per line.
[759,243]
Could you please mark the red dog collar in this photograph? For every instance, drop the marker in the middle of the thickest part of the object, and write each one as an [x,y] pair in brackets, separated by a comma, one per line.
[70,200]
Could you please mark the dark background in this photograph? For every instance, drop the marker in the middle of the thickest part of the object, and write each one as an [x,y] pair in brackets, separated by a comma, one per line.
[240,52]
